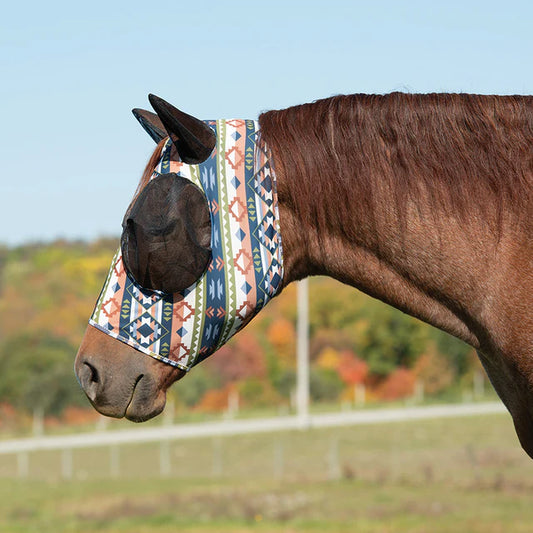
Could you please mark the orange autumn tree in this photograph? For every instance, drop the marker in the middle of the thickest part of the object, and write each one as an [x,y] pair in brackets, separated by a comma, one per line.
[215,399]
[351,369]
[282,337]
[400,383]
[241,368]
[238,360]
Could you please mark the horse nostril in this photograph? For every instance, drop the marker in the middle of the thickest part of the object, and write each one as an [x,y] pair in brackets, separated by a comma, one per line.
[93,376]
[90,379]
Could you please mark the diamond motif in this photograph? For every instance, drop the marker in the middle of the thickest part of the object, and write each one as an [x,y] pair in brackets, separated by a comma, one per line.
[237,209]
[183,311]
[234,157]
[243,261]
[145,330]
[244,309]
[270,231]
[235,123]
[111,308]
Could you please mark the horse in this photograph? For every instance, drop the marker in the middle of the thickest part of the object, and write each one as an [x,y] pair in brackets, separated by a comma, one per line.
[423,201]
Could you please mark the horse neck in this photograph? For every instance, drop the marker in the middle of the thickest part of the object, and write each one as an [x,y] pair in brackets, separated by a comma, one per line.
[407,271]
[428,258]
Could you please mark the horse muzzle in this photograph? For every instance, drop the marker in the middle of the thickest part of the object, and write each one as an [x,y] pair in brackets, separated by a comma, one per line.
[119,381]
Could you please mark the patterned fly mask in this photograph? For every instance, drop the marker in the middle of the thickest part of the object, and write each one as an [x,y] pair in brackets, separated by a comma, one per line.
[219,203]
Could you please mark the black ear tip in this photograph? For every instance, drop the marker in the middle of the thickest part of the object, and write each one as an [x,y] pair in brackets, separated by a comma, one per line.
[193,138]
[151,123]
[153,99]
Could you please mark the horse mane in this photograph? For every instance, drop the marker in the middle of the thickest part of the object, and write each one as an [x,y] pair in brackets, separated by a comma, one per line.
[470,155]
[150,166]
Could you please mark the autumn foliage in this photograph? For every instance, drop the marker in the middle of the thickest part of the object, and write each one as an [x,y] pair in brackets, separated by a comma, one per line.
[242,358]
[47,293]
[282,335]
[352,370]
[215,400]
[398,384]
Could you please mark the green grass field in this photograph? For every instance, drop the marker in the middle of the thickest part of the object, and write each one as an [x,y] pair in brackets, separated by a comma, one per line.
[449,475]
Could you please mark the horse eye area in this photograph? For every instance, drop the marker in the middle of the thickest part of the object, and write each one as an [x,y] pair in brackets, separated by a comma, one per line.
[166,235]
[165,229]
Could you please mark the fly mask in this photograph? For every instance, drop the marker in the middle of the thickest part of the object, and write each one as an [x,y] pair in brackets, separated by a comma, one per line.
[201,247]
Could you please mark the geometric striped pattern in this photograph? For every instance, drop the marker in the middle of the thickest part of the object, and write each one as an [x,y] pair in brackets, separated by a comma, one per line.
[245,271]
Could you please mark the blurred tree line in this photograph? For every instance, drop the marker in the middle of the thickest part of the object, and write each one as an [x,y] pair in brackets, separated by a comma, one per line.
[47,293]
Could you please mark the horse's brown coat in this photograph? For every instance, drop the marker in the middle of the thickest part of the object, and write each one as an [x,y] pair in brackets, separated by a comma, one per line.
[423,201]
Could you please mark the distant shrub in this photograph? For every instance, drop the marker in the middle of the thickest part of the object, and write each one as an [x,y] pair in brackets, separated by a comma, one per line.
[325,384]
[351,369]
[214,400]
[435,371]
[190,389]
[398,384]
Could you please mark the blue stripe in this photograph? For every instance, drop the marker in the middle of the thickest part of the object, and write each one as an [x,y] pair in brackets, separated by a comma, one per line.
[215,279]
[253,216]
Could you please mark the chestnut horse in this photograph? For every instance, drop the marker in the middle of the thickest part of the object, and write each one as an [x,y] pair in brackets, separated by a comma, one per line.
[421,201]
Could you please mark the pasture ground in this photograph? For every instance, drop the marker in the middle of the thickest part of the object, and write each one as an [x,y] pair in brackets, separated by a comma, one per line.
[461,475]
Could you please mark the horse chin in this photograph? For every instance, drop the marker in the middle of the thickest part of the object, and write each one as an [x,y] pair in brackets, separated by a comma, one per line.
[120,381]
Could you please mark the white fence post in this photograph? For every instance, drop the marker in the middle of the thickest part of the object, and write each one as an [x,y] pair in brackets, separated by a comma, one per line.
[170,410]
[302,349]
[360,394]
[278,459]
[114,461]
[479,384]
[164,458]
[23,464]
[233,404]
[217,456]
[418,395]
[102,423]
[38,421]
[334,468]
[66,463]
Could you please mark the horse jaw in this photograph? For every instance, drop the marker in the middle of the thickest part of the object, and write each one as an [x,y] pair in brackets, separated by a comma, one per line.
[120,381]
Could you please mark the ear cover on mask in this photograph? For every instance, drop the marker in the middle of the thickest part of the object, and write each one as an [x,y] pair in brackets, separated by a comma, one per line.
[151,124]
[166,237]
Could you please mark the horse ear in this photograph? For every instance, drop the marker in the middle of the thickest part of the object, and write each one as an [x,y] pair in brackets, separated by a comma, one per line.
[166,237]
[151,123]
[194,139]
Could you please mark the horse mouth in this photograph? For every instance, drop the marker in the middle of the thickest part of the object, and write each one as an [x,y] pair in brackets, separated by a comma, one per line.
[145,401]
[137,381]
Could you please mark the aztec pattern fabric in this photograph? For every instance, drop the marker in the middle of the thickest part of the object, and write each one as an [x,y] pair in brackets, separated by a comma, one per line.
[245,271]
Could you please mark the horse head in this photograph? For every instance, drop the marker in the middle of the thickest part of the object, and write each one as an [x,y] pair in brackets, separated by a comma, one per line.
[200,255]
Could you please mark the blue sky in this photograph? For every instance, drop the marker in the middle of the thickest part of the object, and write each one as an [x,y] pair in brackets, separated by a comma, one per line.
[71,152]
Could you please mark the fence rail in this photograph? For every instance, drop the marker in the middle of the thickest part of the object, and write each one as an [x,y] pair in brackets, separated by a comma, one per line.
[241,427]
